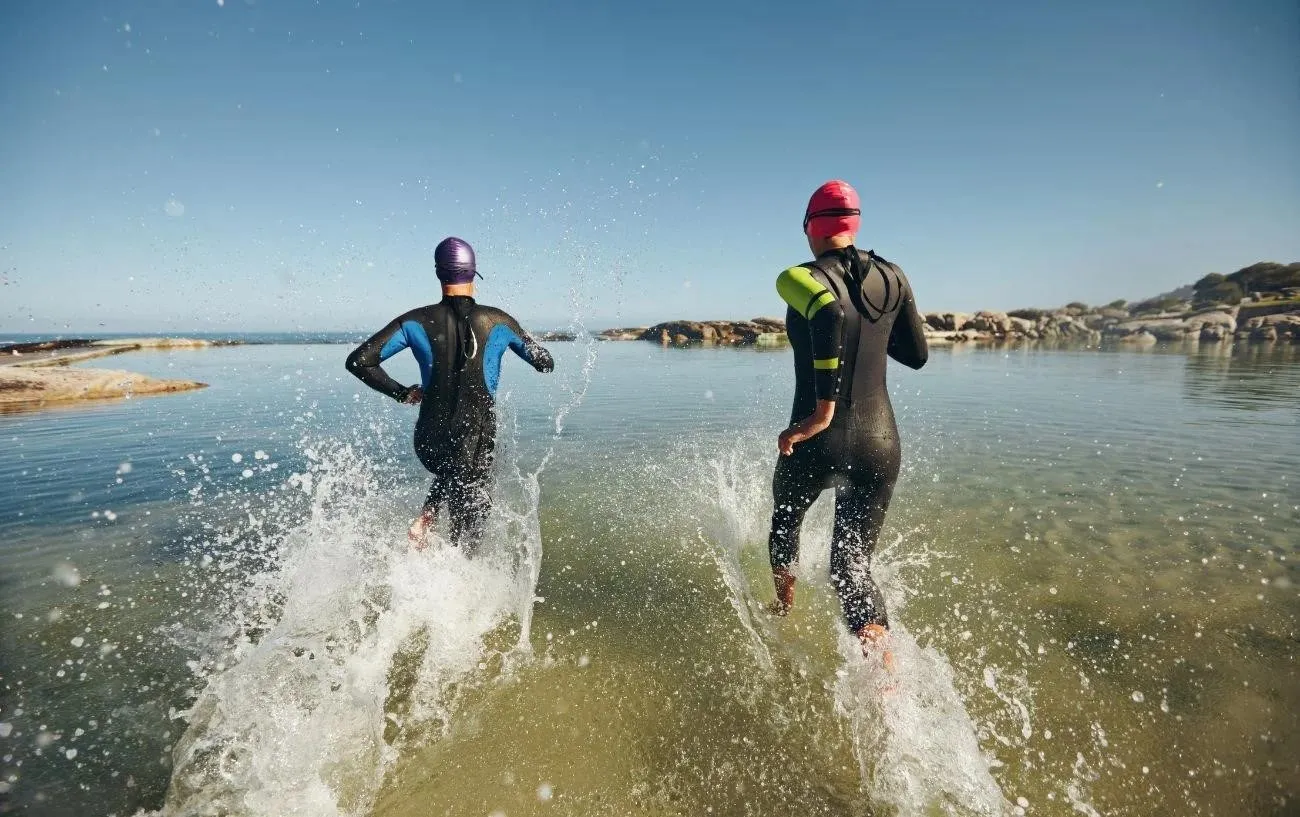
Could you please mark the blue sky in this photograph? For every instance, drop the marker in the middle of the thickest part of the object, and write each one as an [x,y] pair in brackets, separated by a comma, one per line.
[257,165]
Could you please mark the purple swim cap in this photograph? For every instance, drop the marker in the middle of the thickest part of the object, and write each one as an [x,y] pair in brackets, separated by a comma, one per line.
[453,261]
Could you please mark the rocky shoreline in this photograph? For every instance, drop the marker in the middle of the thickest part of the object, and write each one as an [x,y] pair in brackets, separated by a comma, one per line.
[1259,322]
[65,351]
[754,332]
[36,375]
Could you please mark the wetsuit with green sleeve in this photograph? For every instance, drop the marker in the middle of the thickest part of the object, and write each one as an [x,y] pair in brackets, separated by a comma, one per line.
[847,312]
[458,345]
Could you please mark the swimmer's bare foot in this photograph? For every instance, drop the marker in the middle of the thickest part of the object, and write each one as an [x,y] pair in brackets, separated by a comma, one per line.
[420,528]
[784,581]
[875,638]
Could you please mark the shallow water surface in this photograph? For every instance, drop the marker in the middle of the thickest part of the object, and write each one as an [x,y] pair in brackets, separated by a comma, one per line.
[209,606]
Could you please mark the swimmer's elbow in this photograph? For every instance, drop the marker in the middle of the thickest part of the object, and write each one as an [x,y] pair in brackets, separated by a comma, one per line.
[356,364]
[921,357]
[913,357]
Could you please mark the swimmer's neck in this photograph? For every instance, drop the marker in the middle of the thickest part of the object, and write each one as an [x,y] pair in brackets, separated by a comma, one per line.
[452,290]
[820,246]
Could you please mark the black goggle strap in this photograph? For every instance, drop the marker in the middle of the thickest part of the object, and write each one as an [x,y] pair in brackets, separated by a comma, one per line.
[833,211]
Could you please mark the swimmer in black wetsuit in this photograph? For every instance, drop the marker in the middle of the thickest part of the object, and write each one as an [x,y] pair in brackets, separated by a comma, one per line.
[847,310]
[458,344]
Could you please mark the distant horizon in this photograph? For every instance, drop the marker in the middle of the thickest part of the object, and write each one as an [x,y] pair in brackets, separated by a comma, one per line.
[241,164]
[537,325]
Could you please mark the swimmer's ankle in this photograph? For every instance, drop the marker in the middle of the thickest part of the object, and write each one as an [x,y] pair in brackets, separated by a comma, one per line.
[783,580]
[420,527]
[875,639]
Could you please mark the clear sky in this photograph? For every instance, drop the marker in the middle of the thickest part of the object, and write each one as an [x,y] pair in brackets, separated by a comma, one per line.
[256,165]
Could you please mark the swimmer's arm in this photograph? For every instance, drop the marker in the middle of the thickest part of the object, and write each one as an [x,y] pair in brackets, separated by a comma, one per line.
[907,342]
[364,361]
[802,290]
[811,426]
[529,350]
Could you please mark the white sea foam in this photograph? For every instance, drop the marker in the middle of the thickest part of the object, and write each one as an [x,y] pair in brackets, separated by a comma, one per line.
[917,747]
[297,714]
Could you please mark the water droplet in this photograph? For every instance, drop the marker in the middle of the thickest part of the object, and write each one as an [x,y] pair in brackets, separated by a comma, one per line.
[67,575]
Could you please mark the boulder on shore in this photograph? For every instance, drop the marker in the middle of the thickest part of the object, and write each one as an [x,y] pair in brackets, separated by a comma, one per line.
[1062,325]
[720,333]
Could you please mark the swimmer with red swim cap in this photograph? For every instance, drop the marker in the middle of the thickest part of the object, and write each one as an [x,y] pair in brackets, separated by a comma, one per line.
[847,310]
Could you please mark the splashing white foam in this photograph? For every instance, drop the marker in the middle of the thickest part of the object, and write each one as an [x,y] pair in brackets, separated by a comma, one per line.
[297,713]
[916,745]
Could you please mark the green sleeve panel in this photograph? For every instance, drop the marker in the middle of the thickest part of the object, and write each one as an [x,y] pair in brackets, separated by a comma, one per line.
[804,293]
[819,306]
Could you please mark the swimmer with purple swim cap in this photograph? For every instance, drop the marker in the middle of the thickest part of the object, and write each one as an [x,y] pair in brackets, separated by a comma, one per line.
[458,344]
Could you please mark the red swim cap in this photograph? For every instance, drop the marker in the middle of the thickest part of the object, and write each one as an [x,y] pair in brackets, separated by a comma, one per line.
[834,209]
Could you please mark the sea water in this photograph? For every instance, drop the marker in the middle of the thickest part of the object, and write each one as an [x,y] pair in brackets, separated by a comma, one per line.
[210,607]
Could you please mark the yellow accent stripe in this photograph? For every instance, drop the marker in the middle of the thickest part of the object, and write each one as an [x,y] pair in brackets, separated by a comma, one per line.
[827,363]
[820,301]
[800,290]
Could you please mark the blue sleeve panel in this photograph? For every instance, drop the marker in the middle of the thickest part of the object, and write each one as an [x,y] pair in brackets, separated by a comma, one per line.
[395,344]
[413,336]
[501,337]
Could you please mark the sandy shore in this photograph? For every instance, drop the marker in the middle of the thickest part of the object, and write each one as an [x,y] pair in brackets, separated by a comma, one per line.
[38,375]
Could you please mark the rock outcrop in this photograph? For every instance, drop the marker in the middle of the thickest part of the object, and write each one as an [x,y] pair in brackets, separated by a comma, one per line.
[1070,324]
[758,331]
[1271,327]
[24,388]
[39,374]
[72,350]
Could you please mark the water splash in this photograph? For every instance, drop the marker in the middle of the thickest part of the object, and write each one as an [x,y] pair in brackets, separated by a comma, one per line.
[347,646]
[916,745]
[734,501]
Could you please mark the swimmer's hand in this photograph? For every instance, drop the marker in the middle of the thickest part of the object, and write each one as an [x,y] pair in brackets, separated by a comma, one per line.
[811,426]
[413,395]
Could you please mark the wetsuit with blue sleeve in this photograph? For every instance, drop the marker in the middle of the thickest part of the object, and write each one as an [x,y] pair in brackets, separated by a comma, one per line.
[847,312]
[459,345]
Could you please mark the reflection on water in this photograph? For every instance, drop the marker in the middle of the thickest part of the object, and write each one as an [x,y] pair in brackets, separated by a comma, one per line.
[1091,558]
[1251,376]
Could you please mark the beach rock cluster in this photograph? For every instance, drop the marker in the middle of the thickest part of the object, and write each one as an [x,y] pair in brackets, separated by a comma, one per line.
[1212,326]
[39,374]
[984,326]
[1068,324]
[756,331]
[1266,328]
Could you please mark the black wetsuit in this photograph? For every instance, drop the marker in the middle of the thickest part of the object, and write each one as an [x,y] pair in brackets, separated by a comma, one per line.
[847,310]
[458,344]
